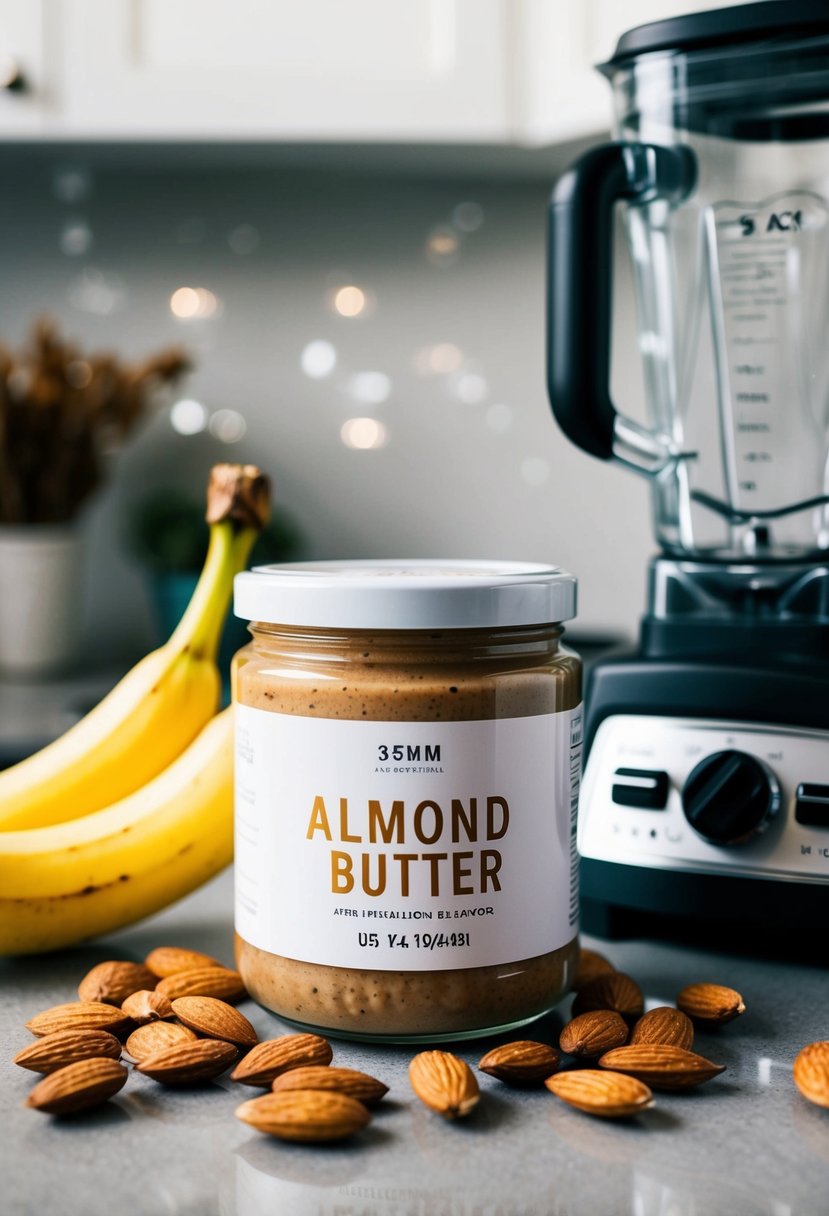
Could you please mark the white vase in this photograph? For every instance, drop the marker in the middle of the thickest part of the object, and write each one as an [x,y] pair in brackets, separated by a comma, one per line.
[41,579]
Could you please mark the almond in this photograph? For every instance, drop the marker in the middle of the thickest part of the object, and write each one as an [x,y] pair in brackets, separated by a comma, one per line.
[78,1015]
[220,982]
[270,1059]
[167,960]
[664,1025]
[144,1006]
[215,1019]
[189,1063]
[591,964]
[615,991]
[444,1083]
[521,1063]
[811,1073]
[78,1086]
[153,1037]
[64,1047]
[710,1003]
[113,982]
[591,1034]
[305,1115]
[359,1085]
[661,1066]
[610,1095]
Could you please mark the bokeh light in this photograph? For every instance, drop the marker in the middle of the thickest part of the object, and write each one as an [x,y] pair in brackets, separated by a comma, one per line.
[228,426]
[349,300]
[372,388]
[363,433]
[193,303]
[318,359]
[188,417]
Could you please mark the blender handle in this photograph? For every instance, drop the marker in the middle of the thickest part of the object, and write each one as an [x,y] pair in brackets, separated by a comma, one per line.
[580,290]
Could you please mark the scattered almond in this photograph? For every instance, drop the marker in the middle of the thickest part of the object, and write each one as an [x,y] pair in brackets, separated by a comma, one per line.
[153,1037]
[147,1006]
[167,960]
[113,982]
[521,1063]
[189,1063]
[78,1086]
[610,1095]
[615,991]
[64,1047]
[591,1034]
[664,1025]
[268,1060]
[710,1003]
[350,1081]
[444,1083]
[661,1066]
[215,1019]
[591,964]
[811,1073]
[220,982]
[305,1115]
[78,1015]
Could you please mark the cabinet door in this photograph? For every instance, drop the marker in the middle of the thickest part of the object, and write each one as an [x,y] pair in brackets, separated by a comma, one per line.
[292,69]
[27,79]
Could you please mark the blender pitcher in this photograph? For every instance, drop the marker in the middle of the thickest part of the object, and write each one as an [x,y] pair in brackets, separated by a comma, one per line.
[722,162]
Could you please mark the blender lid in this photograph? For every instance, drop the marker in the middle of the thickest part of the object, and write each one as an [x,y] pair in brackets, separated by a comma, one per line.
[722,27]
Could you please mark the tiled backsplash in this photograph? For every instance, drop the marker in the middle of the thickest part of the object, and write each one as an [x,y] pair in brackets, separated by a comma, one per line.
[376,344]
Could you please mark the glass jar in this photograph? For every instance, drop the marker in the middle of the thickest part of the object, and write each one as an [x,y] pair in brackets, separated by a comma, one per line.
[408,746]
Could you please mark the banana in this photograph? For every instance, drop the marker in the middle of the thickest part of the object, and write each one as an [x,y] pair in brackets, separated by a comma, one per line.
[160,706]
[68,882]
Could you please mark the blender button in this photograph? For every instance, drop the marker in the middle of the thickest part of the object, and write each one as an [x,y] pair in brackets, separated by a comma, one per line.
[645,789]
[811,808]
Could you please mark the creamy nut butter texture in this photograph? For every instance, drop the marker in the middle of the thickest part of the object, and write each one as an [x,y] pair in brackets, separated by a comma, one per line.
[405,795]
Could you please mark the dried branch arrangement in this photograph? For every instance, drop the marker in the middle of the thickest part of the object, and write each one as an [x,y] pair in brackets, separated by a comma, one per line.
[61,411]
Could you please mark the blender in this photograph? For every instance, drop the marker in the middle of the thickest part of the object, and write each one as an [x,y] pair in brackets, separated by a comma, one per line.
[706,786]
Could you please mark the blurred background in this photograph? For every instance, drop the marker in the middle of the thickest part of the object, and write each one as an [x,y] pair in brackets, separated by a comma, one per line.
[335,212]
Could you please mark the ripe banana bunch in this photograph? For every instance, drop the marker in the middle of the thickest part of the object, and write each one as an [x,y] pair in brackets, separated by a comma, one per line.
[133,807]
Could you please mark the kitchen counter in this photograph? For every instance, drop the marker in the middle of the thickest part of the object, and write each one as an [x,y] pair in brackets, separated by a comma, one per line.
[745,1144]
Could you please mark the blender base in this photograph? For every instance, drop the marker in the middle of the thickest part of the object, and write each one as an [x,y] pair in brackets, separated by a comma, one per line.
[703,681]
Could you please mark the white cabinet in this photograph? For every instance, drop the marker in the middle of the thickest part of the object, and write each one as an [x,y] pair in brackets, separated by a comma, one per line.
[398,71]
[286,69]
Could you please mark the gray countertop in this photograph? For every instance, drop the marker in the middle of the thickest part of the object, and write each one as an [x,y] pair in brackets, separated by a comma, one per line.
[745,1144]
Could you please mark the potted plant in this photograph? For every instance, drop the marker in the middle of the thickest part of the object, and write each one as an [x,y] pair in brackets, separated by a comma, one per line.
[61,413]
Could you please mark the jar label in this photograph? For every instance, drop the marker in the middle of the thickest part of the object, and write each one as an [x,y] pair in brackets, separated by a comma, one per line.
[406,846]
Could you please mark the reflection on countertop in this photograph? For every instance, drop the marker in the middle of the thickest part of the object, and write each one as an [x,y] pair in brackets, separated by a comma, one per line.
[746,1144]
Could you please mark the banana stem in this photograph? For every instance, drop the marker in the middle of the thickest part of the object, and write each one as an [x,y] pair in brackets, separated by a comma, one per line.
[200,628]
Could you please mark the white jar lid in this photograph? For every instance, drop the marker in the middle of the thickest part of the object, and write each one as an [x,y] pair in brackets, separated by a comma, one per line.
[406,594]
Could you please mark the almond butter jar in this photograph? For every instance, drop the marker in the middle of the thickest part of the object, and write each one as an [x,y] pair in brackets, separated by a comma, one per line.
[408,739]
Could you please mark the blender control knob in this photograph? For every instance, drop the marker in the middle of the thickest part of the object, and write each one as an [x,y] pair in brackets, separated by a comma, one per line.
[730,797]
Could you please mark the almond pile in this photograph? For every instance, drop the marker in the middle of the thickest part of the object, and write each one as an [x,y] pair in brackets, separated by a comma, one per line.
[173,1017]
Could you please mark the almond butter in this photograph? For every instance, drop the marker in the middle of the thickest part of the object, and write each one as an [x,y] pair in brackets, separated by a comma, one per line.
[444,1083]
[305,1115]
[153,1037]
[144,1006]
[78,1015]
[113,982]
[615,991]
[220,982]
[610,1095]
[661,1066]
[215,1019]
[64,1047]
[593,1033]
[350,1081]
[664,1025]
[189,1063]
[268,1060]
[167,960]
[711,1003]
[78,1086]
[591,964]
[811,1073]
[521,1063]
